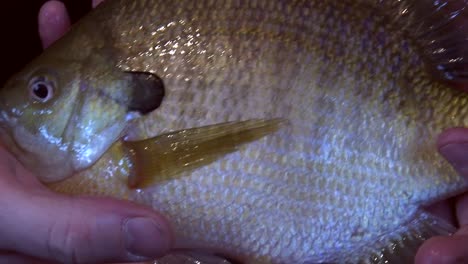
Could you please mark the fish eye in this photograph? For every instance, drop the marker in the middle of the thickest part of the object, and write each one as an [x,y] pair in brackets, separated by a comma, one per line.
[41,90]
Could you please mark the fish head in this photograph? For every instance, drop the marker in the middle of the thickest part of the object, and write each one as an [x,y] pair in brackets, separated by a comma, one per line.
[59,115]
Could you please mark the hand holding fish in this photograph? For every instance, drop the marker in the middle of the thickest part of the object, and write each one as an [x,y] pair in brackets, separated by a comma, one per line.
[37,224]
[40,226]
[54,22]
[358,144]
[453,145]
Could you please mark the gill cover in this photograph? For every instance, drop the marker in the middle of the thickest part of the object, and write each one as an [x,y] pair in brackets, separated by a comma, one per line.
[59,115]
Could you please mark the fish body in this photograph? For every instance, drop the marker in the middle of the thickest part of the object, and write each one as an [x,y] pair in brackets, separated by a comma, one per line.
[343,177]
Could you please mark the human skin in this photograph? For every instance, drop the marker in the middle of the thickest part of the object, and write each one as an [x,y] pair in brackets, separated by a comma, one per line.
[40,226]
[452,145]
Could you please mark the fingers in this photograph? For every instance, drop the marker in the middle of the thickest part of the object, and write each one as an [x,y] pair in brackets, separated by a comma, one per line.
[53,22]
[462,209]
[46,225]
[97,2]
[13,258]
[453,145]
[82,230]
[444,250]
[445,210]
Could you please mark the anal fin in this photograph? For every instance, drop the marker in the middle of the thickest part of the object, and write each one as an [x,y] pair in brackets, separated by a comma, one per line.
[165,156]
[401,245]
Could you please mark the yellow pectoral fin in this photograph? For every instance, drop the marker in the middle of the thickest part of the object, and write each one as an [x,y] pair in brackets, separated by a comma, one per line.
[165,156]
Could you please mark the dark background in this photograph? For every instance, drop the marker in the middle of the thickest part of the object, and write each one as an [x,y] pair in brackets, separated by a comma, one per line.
[19,36]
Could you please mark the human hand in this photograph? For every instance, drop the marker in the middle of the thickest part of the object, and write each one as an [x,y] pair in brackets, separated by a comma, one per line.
[453,145]
[40,226]
[36,223]
[54,21]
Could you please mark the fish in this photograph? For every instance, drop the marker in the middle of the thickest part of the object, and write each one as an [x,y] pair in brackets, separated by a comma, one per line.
[267,131]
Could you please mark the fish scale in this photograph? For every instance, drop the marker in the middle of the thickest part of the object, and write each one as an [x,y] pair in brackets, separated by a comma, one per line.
[343,179]
[342,96]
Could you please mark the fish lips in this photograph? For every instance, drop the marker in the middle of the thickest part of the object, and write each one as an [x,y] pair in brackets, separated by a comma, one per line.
[8,118]
[3,112]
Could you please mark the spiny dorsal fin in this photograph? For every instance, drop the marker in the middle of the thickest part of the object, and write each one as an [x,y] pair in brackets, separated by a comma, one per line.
[168,155]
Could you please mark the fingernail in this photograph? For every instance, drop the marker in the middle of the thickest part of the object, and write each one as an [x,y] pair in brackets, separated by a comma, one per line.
[145,238]
[457,155]
[53,12]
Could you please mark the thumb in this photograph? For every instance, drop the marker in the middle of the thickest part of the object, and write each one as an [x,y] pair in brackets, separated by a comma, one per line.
[80,230]
[443,249]
[53,22]
[453,145]
[97,2]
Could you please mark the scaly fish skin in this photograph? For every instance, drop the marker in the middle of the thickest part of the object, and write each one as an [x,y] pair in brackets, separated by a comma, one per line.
[354,163]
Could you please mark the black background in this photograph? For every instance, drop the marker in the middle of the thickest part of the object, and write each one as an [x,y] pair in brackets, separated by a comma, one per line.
[19,36]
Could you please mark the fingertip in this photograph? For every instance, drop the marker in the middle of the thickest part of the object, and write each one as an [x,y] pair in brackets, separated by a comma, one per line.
[442,250]
[97,2]
[132,232]
[85,230]
[139,237]
[453,146]
[454,135]
[445,210]
[13,258]
[53,22]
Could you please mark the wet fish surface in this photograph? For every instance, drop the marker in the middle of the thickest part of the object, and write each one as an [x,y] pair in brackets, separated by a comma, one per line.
[275,131]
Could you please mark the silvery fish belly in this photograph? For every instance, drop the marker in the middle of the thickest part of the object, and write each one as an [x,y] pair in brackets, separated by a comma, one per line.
[344,177]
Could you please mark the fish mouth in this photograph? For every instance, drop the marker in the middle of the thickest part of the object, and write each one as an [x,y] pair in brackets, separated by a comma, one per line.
[7,118]
[2,111]
[7,139]
[7,121]
[4,117]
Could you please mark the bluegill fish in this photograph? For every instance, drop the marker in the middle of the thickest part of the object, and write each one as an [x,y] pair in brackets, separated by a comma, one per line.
[275,131]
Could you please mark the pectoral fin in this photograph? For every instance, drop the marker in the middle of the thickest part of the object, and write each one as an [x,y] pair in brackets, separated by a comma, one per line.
[165,156]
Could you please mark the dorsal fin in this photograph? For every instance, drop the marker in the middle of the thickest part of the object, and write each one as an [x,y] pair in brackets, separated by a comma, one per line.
[439,30]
